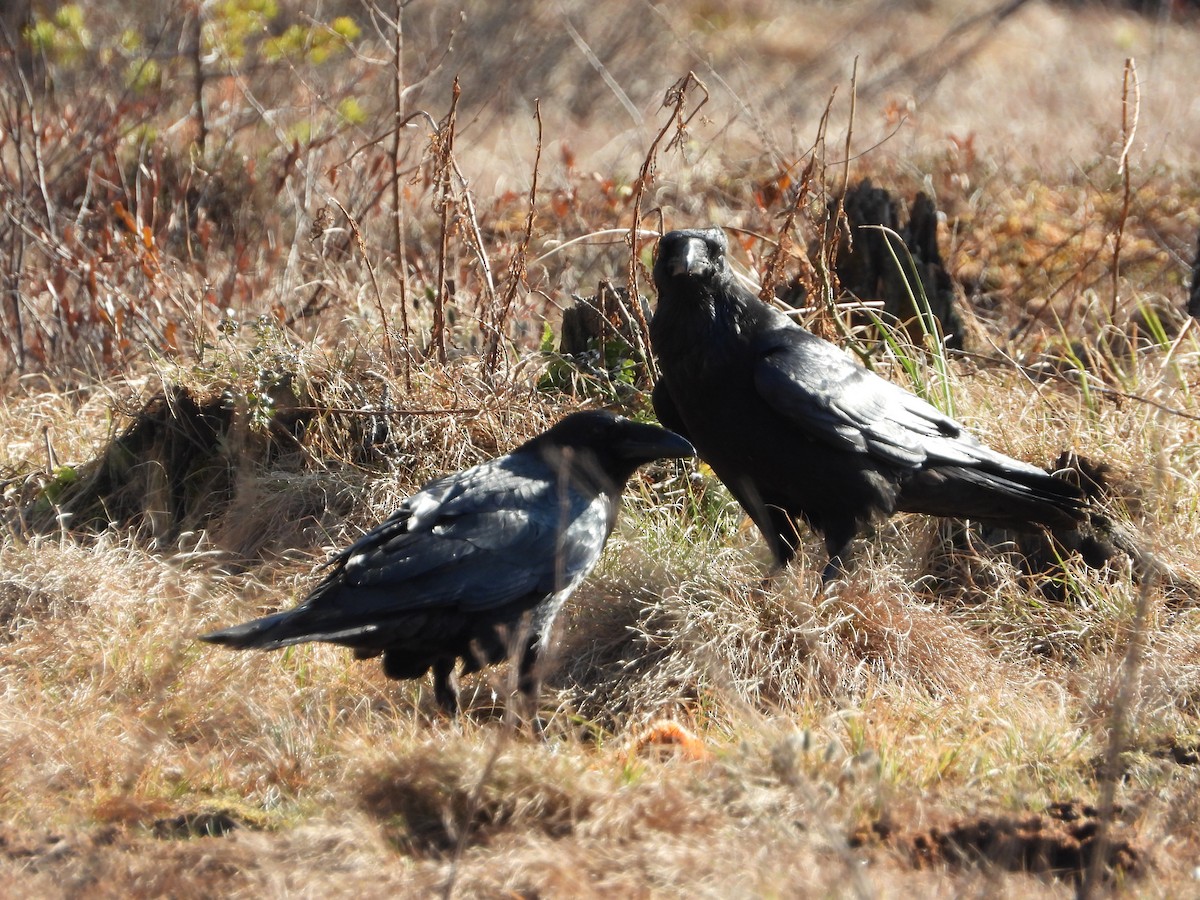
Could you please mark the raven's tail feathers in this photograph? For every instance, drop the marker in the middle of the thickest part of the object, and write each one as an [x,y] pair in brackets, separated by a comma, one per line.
[1076,506]
[266,633]
[1013,498]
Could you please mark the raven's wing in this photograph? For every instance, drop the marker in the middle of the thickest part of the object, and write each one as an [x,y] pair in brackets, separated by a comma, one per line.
[833,399]
[475,541]
[502,532]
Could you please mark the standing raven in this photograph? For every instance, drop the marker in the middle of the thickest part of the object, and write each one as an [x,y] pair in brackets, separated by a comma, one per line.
[452,572]
[797,430]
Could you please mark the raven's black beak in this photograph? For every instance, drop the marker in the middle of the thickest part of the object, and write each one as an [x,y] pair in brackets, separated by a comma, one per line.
[641,441]
[691,259]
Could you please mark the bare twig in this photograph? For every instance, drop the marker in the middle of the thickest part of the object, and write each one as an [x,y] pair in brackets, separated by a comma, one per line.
[603,232]
[15,126]
[197,61]
[1118,727]
[362,249]
[443,141]
[684,36]
[1033,373]
[397,413]
[399,238]
[849,134]
[36,132]
[503,736]
[830,225]
[983,24]
[595,63]
[474,237]
[773,269]
[1129,122]
[517,269]
[676,100]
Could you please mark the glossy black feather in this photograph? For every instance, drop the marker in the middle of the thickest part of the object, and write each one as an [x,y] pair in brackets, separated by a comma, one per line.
[798,430]
[451,574]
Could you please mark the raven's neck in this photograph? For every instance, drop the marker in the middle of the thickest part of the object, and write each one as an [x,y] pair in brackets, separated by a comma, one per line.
[705,325]
[584,471]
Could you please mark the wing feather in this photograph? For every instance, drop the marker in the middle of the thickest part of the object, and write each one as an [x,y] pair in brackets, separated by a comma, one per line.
[832,398]
[475,541]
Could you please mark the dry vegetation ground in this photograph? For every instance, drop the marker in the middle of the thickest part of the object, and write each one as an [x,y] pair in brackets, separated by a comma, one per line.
[941,725]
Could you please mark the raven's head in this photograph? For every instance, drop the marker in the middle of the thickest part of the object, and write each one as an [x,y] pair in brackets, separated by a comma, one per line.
[608,445]
[695,254]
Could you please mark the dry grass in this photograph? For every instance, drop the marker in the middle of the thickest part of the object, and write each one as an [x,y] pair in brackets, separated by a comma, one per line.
[937,726]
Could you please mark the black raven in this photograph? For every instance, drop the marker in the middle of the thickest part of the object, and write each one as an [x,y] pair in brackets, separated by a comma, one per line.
[452,572]
[796,429]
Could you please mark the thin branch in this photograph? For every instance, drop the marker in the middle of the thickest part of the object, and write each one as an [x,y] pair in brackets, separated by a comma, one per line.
[475,233]
[398,245]
[1128,129]
[594,61]
[517,269]
[1119,728]
[394,413]
[443,154]
[675,100]
[197,61]
[362,249]
[604,232]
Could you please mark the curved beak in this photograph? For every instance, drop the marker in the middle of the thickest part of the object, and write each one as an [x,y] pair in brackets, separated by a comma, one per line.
[648,442]
[690,259]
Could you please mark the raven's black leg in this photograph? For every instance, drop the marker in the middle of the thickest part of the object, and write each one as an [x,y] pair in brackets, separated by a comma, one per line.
[834,569]
[445,684]
[528,677]
[783,536]
[529,684]
[837,545]
[775,524]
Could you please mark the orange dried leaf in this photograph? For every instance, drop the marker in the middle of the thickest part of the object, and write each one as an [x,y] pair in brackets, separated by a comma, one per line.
[669,734]
[125,218]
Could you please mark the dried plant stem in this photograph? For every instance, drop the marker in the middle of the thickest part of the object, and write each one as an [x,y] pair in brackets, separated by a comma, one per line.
[831,226]
[443,202]
[197,61]
[399,241]
[1118,728]
[675,100]
[362,249]
[396,413]
[773,269]
[1129,120]
[503,736]
[517,267]
[398,113]
[16,251]
[849,133]
[475,239]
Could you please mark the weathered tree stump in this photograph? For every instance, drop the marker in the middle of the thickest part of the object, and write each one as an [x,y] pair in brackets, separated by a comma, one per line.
[174,468]
[602,338]
[590,322]
[899,263]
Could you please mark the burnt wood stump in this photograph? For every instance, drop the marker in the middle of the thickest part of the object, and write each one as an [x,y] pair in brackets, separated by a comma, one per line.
[601,335]
[897,264]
